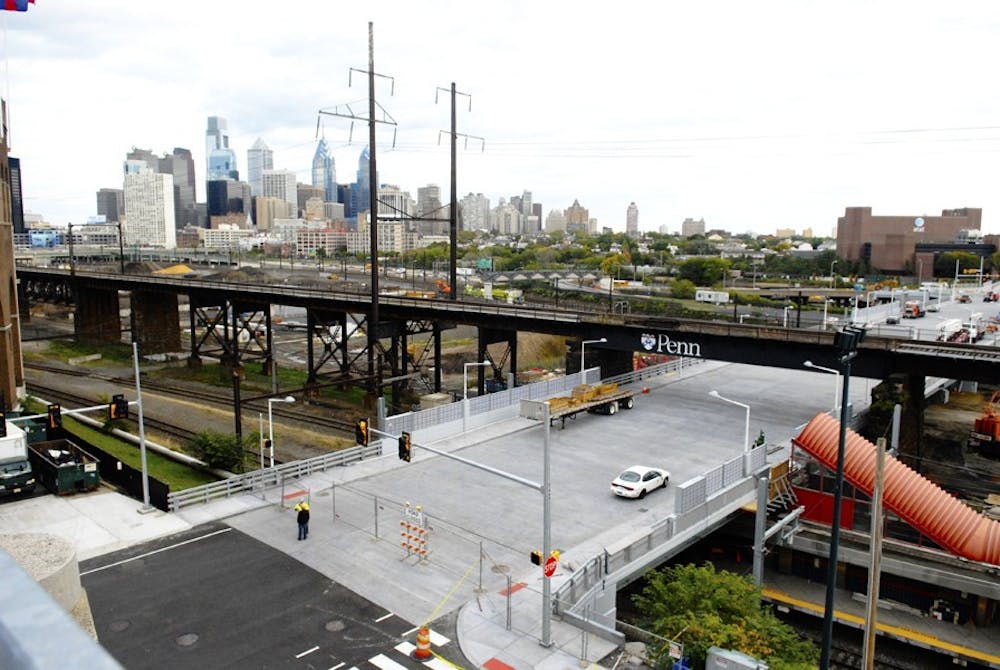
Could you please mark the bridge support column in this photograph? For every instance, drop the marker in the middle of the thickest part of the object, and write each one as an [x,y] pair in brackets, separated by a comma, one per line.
[489,336]
[155,322]
[96,318]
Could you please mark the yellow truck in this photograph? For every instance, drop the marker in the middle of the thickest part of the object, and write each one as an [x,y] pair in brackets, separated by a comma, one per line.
[591,398]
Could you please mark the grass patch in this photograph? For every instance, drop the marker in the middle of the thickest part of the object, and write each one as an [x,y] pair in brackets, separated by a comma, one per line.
[110,352]
[176,475]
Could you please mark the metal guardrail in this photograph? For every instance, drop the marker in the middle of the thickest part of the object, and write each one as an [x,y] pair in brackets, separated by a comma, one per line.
[696,502]
[266,478]
[452,412]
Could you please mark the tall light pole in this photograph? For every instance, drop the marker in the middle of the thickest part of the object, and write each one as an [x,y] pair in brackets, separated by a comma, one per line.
[583,344]
[270,422]
[465,389]
[834,262]
[784,320]
[836,383]
[846,344]
[746,428]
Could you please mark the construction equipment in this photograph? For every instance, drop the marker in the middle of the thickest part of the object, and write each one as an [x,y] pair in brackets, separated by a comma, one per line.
[594,399]
[443,288]
[985,433]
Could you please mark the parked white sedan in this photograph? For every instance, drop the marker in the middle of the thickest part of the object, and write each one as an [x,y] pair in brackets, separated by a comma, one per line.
[638,480]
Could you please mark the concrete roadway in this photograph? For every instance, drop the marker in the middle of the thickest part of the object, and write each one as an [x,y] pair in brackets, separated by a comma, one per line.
[256,596]
[213,597]
[473,513]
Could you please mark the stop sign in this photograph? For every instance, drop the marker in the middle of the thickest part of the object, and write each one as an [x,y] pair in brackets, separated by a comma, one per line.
[550,566]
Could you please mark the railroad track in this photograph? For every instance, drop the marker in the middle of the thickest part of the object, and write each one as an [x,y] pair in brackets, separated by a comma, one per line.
[66,398]
[280,411]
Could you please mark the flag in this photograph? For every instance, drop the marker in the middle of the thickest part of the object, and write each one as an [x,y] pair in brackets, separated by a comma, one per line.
[17,5]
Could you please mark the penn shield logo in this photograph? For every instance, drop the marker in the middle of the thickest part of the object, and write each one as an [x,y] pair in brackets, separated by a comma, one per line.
[662,344]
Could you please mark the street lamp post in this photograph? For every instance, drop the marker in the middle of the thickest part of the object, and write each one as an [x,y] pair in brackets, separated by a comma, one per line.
[465,389]
[846,344]
[784,320]
[746,428]
[834,262]
[583,344]
[836,383]
[270,422]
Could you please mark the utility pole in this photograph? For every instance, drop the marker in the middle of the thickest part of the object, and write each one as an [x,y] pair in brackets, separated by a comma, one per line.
[453,207]
[346,111]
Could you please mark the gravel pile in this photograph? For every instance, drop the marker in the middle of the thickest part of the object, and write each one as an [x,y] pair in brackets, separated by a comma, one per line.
[39,554]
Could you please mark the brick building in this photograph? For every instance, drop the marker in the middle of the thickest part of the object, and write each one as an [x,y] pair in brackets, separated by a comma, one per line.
[888,243]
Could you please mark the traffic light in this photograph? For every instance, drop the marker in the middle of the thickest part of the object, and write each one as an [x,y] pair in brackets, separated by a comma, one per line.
[404,447]
[55,416]
[118,407]
[361,432]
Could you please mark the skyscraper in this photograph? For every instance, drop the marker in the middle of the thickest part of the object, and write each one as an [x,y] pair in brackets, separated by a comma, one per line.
[221,159]
[111,204]
[475,210]
[361,191]
[429,206]
[324,172]
[180,165]
[281,184]
[259,158]
[632,220]
[149,207]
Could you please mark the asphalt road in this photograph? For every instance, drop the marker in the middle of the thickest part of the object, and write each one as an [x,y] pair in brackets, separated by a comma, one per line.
[216,598]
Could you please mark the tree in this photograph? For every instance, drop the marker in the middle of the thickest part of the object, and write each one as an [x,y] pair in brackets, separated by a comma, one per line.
[683,289]
[701,607]
[704,271]
[218,450]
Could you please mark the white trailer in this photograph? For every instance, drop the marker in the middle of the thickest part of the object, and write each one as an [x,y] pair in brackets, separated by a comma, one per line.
[715,297]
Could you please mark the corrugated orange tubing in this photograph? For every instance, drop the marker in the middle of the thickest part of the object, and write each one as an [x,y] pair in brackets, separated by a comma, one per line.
[923,504]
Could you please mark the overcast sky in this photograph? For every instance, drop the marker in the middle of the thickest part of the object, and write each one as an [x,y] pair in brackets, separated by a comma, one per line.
[753,116]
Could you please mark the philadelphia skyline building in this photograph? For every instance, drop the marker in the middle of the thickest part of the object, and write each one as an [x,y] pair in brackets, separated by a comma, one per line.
[324,171]
[221,160]
[361,189]
[259,158]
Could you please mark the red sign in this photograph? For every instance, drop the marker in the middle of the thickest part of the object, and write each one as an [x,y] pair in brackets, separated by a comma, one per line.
[550,566]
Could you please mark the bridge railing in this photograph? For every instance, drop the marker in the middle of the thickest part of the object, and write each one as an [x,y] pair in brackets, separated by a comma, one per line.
[480,406]
[260,480]
[698,503]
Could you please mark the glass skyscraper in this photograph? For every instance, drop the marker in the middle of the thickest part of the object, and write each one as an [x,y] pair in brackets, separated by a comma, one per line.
[324,173]
[221,159]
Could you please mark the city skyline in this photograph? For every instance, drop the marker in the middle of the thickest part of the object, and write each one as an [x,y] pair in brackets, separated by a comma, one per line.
[751,118]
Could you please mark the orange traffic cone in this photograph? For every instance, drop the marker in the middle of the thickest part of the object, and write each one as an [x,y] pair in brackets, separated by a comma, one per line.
[423,651]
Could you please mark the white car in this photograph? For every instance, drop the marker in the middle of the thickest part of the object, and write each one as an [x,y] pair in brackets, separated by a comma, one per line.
[638,480]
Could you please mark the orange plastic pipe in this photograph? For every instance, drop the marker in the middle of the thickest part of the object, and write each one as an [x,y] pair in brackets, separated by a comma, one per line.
[920,502]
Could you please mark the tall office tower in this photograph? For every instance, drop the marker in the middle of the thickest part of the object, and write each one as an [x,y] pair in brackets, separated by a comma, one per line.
[16,199]
[507,219]
[226,196]
[577,218]
[475,212]
[324,172]
[149,209]
[632,220]
[690,227]
[526,203]
[398,204]
[11,364]
[111,204]
[361,190]
[259,158]
[180,165]
[305,193]
[145,156]
[280,184]
[221,159]
[429,206]
[555,222]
